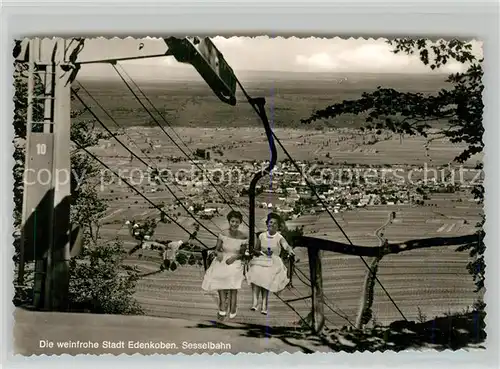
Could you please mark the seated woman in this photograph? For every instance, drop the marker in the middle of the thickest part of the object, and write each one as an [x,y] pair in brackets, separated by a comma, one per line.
[225,274]
[267,272]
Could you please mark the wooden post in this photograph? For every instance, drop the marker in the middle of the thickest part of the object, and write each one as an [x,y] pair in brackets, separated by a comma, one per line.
[39,283]
[48,206]
[317,313]
[59,249]
[366,303]
[291,267]
[38,191]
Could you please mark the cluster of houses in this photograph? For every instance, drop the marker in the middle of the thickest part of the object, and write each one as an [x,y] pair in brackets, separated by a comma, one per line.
[288,193]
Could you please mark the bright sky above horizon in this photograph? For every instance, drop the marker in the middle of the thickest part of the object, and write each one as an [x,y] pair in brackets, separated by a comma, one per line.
[263,53]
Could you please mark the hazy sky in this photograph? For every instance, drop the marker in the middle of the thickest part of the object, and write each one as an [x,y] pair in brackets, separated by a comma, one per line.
[263,54]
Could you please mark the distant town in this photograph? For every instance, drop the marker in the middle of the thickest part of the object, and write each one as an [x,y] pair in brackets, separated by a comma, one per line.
[340,188]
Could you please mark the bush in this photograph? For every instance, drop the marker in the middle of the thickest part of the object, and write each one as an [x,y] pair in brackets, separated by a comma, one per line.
[100,282]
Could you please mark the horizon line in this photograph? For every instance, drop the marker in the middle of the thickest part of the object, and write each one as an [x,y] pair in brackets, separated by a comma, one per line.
[250,71]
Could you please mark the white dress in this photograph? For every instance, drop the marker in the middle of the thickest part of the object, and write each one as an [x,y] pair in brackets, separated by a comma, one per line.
[220,276]
[266,271]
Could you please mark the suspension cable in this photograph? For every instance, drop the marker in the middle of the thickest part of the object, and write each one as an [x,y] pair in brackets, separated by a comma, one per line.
[142,161]
[174,131]
[275,137]
[161,127]
[342,313]
[119,127]
[191,234]
[311,187]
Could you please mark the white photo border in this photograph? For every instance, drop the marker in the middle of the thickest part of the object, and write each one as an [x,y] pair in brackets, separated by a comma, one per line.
[369,19]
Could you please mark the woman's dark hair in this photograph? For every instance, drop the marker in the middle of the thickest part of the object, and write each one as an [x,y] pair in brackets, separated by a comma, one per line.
[274,216]
[235,214]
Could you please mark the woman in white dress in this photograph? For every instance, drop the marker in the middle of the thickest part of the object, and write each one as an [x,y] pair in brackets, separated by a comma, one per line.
[267,272]
[225,274]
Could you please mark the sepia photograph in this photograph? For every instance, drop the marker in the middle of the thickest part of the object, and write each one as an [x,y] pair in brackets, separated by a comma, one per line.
[248,195]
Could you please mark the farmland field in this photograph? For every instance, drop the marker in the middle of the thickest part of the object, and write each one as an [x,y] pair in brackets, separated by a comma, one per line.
[434,280]
[440,273]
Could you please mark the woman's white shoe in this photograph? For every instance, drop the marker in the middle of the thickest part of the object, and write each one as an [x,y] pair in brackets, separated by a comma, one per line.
[232,315]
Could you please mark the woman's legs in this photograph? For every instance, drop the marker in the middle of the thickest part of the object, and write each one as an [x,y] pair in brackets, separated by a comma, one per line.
[233,299]
[265,299]
[255,296]
[222,300]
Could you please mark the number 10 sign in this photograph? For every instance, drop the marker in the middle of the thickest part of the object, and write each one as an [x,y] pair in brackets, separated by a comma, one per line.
[38,193]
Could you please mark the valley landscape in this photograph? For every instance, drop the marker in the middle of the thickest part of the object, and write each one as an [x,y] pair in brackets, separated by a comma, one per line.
[424,283]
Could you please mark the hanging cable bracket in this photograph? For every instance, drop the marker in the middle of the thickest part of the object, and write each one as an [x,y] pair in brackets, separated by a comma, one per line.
[259,104]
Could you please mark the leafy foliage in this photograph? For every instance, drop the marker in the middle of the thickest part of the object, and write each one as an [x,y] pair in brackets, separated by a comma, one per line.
[173,253]
[410,113]
[459,108]
[87,207]
[101,283]
[367,312]
[292,236]
[476,249]
[143,231]
[187,254]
